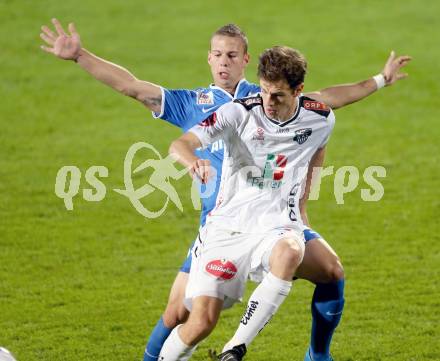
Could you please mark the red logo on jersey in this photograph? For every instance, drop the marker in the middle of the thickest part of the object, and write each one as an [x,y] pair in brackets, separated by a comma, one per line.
[210,121]
[221,269]
[314,105]
[281,162]
[259,135]
[274,167]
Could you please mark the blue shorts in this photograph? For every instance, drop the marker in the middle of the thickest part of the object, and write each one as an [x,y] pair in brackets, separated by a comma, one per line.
[309,234]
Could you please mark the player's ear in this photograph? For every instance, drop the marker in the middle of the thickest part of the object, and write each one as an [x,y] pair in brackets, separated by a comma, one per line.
[299,89]
[247,58]
[209,57]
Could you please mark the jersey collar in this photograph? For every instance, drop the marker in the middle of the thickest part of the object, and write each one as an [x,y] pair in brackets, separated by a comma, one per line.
[237,89]
[283,124]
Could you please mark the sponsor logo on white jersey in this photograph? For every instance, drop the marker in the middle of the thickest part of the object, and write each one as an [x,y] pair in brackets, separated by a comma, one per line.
[259,134]
[273,172]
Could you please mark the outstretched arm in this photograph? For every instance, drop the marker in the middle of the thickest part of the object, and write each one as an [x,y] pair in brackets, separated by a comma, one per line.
[68,47]
[340,95]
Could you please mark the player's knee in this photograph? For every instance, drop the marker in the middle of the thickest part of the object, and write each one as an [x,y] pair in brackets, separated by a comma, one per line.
[200,328]
[290,254]
[170,318]
[175,314]
[334,271]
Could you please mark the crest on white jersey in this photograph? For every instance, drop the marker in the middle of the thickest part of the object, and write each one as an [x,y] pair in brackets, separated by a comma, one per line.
[302,135]
[205,98]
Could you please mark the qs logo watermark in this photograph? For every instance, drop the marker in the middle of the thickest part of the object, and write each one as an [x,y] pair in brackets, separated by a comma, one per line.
[163,170]
[68,180]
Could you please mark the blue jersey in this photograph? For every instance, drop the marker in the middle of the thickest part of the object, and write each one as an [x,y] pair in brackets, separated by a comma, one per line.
[186,108]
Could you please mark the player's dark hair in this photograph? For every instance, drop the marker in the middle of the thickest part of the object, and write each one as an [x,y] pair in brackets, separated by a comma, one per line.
[232,31]
[283,63]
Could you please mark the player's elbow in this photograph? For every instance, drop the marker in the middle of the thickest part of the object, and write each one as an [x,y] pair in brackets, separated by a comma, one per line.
[174,146]
[128,88]
[146,93]
[131,88]
[338,103]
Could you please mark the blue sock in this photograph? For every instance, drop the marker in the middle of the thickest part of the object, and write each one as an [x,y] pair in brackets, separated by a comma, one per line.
[327,305]
[156,341]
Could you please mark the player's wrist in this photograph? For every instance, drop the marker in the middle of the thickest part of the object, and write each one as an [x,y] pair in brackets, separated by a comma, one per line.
[194,164]
[380,81]
[78,55]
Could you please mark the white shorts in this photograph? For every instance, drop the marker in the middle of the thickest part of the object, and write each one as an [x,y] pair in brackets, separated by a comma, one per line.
[222,260]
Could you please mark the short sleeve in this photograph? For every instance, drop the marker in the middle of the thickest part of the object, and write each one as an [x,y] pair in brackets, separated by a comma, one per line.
[177,107]
[224,120]
[331,119]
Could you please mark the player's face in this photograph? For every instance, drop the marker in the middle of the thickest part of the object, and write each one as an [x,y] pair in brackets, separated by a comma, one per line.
[227,60]
[279,100]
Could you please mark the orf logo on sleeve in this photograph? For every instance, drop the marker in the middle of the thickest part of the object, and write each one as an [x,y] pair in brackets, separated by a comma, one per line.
[221,269]
[314,105]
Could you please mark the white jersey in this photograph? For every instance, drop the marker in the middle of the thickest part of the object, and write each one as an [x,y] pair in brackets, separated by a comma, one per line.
[265,162]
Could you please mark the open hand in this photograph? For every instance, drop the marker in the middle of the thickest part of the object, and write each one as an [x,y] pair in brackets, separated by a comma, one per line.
[391,71]
[64,46]
[201,169]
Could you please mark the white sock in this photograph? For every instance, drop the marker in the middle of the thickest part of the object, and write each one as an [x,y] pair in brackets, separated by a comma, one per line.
[174,349]
[263,304]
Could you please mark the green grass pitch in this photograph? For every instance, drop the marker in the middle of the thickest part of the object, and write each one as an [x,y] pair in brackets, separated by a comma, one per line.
[89,284]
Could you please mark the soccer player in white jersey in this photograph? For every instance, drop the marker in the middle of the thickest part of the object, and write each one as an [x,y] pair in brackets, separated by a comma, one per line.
[255,227]
[228,59]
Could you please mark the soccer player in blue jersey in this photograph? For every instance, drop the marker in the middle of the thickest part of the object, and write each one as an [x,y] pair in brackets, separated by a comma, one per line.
[228,58]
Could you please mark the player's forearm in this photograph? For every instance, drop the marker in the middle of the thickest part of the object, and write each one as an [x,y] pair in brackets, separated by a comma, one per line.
[340,95]
[108,73]
[182,150]
[120,79]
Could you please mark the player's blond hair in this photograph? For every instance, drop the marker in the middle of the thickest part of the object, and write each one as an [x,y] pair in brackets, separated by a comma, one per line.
[233,31]
[282,63]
